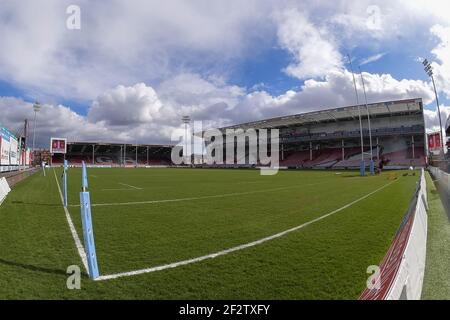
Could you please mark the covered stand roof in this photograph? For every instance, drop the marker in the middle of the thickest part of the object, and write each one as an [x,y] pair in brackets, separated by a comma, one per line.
[409,106]
[105,147]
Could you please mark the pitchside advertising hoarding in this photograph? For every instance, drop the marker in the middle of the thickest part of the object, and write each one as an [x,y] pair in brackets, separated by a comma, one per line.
[434,142]
[58,145]
[13,151]
[5,146]
[11,154]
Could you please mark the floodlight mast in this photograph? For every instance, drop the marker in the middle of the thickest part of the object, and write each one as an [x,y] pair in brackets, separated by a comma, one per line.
[186,120]
[36,108]
[368,121]
[362,167]
[429,70]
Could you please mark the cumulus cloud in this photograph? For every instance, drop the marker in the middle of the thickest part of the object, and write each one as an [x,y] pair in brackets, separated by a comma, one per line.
[141,64]
[313,49]
[141,113]
[120,42]
[123,106]
[432,118]
[336,90]
[442,53]
[52,120]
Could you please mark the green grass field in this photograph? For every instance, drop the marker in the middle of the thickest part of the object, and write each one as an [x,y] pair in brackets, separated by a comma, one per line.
[151,217]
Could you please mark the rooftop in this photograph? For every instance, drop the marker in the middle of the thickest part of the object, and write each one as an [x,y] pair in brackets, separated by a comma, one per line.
[409,106]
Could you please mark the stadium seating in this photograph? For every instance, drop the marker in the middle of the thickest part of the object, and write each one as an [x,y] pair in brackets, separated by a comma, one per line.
[295,159]
[353,158]
[405,157]
[324,158]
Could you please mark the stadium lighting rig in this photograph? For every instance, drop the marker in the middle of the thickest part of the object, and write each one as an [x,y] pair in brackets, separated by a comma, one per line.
[362,167]
[36,108]
[186,120]
[429,70]
[372,169]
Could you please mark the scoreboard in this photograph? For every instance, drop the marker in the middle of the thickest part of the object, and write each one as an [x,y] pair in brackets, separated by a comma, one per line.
[58,145]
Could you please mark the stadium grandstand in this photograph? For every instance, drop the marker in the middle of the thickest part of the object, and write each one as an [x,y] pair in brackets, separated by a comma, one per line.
[331,139]
[114,155]
[326,139]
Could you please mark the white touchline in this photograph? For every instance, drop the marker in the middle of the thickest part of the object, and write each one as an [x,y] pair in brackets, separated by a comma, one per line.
[196,198]
[128,185]
[237,248]
[78,244]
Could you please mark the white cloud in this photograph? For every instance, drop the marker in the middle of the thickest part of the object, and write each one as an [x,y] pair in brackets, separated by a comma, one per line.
[432,118]
[140,113]
[373,58]
[442,53]
[52,120]
[126,106]
[121,42]
[336,90]
[135,61]
[313,49]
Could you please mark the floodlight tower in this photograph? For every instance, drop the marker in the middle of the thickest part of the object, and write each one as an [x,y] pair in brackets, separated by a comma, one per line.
[372,169]
[429,70]
[36,108]
[362,167]
[186,120]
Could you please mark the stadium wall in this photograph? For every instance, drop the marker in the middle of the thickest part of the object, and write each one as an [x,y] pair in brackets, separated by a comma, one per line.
[441,177]
[14,177]
[402,269]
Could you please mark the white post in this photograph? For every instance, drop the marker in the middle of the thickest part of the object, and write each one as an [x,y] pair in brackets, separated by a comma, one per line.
[310,151]
[378,150]
[362,166]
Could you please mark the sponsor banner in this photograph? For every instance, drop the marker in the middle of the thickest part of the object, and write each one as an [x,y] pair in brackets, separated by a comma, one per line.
[58,145]
[5,146]
[434,141]
[28,157]
[13,151]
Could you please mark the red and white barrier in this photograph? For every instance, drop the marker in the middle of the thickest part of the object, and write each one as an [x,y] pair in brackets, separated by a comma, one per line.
[402,270]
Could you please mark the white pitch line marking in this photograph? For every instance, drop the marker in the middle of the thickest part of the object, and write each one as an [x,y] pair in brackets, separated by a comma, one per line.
[78,244]
[223,195]
[237,248]
[128,185]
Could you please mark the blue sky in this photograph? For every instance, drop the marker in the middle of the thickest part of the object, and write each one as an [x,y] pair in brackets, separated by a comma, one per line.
[132,69]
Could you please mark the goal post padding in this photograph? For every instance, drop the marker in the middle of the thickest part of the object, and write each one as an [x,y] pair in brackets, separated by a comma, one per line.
[88,230]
